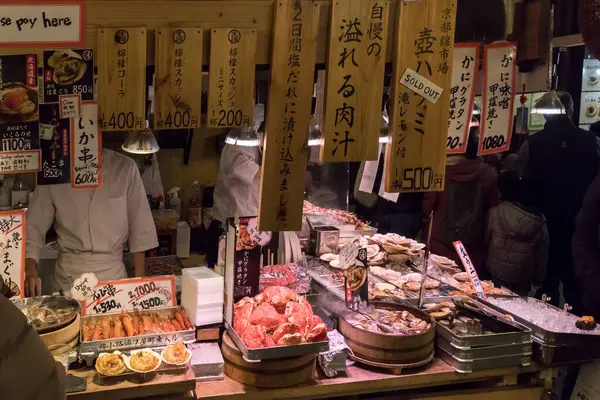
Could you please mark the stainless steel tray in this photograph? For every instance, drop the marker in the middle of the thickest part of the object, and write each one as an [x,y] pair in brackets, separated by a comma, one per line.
[272,353]
[470,353]
[91,350]
[545,336]
[467,366]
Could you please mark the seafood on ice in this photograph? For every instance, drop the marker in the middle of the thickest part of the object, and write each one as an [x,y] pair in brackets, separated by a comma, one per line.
[399,323]
[128,324]
[277,317]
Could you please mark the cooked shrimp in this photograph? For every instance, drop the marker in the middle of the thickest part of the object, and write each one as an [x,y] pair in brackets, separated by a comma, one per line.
[139,322]
[107,328]
[88,331]
[167,326]
[188,323]
[128,324]
[179,319]
[97,335]
[148,323]
[176,325]
[117,327]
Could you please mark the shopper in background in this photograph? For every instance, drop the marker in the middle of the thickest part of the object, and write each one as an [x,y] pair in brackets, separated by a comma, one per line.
[459,212]
[27,368]
[517,239]
[557,165]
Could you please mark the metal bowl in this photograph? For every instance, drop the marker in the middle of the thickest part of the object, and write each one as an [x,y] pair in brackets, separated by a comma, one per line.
[48,313]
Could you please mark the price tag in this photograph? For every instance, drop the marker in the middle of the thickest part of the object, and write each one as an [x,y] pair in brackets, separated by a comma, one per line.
[70,105]
[261,238]
[46,131]
[86,149]
[129,294]
[84,286]
[466,261]
[356,281]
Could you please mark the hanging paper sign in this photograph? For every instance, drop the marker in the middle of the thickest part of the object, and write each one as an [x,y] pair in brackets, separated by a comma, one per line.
[178,78]
[356,281]
[367,180]
[127,294]
[84,286]
[466,262]
[19,114]
[416,158]
[355,77]
[499,82]
[37,23]
[462,95]
[70,105]
[12,251]
[348,254]
[122,78]
[55,144]
[231,81]
[86,149]
[288,116]
[68,72]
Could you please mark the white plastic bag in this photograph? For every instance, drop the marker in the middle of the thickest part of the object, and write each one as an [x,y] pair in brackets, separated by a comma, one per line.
[152,180]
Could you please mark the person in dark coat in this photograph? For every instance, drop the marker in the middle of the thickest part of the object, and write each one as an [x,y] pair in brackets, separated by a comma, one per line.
[557,165]
[517,239]
[464,174]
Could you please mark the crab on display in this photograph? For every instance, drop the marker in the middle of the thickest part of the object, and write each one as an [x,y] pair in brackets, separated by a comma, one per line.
[277,317]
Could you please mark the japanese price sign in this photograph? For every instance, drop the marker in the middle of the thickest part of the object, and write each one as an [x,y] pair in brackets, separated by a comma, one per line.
[12,251]
[499,81]
[84,286]
[357,281]
[355,77]
[466,262]
[288,115]
[246,261]
[462,95]
[416,158]
[122,78]
[231,80]
[55,146]
[19,114]
[68,72]
[127,294]
[86,149]
[178,78]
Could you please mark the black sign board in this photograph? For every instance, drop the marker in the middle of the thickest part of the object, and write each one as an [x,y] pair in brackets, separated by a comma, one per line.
[68,72]
[357,282]
[55,136]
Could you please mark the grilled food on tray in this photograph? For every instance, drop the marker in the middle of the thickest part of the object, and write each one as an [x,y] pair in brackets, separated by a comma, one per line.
[144,360]
[400,323]
[111,364]
[136,323]
[176,354]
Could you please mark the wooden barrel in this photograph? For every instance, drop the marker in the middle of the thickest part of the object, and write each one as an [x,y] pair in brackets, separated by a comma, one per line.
[390,349]
[279,373]
[66,335]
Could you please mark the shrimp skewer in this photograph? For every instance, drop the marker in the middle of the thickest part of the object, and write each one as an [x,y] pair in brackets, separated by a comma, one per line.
[137,317]
[106,328]
[97,335]
[128,324]
[149,326]
[188,323]
[117,327]
[176,325]
[88,331]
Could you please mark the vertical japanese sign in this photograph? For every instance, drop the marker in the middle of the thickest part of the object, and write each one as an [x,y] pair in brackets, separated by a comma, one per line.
[355,77]
[288,115]
[421,79]
[12,248]
[178,78]
[356,284]
[19,114]
[86,149]
[499,81]
[231,78]
[122,78]
[68,72]
[55,139]
[462,95]
[246,260]
[470,268]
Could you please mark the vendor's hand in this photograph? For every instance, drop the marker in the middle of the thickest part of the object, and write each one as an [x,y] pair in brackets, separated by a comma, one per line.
[33,283]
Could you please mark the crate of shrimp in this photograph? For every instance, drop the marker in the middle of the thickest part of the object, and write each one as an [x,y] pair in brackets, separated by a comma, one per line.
[136,329]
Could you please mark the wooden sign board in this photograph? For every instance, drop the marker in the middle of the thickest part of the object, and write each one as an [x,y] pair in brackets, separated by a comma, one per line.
[416,159]
[499,84]
[288,116]
[355,78]
[122,78]
[231,78]
[12,245]
[35,23]
[178,78]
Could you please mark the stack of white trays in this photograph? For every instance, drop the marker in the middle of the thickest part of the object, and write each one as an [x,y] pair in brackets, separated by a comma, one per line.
[202,295]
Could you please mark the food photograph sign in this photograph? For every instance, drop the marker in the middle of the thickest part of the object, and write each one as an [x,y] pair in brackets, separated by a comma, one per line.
[68,72]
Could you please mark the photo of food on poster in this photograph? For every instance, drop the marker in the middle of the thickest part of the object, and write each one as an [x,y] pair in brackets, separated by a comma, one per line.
[54,143]
[68,72]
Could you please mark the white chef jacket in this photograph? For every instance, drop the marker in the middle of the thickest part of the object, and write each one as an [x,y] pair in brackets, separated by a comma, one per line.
[92,225]
[238,184]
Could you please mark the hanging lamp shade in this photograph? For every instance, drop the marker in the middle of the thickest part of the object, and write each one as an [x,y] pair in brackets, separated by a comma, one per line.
[246,137]
[141,142]
[314,132]
[549,104]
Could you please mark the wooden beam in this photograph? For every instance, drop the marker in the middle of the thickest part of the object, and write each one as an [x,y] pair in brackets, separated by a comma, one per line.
[568,41]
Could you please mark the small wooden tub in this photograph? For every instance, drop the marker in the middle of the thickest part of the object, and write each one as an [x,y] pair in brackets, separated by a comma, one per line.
[391,349]
[278,373]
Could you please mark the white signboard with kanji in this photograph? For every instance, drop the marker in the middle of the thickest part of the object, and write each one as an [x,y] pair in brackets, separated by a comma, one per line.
[499,84]
[86,149]
[12,251]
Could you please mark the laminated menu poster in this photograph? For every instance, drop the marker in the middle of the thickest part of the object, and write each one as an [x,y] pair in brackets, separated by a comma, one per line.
[68,72]
[12,251]
[19,114]
[356,277]
[54,143]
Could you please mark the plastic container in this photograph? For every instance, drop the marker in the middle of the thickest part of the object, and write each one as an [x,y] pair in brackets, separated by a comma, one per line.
[174,200]
[183,239]
[208,279]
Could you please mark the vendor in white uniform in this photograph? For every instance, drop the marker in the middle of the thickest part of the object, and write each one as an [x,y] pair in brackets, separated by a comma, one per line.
[92,225]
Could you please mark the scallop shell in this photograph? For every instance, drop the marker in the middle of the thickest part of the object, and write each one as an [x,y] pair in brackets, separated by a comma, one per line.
[188,357]
[328,257]
[372,250]
[125,360]
[128,363]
